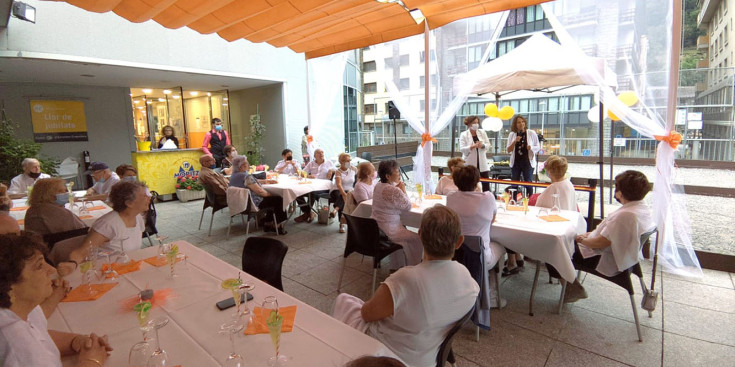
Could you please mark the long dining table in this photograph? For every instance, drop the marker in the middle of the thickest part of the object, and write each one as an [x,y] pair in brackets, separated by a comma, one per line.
[192,336]
[525,233]
[94,210]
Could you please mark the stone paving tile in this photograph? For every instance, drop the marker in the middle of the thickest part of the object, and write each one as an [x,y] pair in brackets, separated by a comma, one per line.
[699,295]
[680,351]
[699,323]
[565,355]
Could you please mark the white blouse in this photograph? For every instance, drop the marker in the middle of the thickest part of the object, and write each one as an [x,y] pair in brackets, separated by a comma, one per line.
[26,343]
[112,226]
[567,198]
[363,191]
[347,177]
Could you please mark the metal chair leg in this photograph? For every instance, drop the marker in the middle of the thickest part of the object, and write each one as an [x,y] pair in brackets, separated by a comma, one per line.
[375,277]
[211,220]
[635,316]
[229,225]
[533,290]
[149,239]
[247,227]
[477,334]
[200,220]
[341,274]
[644,290]
[275,223]
[561,297]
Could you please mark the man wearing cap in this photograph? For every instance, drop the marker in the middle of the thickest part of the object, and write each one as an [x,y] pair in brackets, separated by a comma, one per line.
[103,179]
[31,173]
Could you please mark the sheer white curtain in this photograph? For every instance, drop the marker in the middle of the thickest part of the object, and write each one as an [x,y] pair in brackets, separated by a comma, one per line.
[443,60]
[325,84]
[669,209]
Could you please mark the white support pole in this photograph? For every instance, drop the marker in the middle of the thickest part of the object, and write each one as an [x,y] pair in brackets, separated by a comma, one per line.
[427,60]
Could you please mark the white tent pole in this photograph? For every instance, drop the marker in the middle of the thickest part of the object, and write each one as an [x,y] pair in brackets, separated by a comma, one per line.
[674,65]
[427,59]
[308,101]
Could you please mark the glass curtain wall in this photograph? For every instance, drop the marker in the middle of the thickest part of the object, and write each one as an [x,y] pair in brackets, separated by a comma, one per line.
[153,109]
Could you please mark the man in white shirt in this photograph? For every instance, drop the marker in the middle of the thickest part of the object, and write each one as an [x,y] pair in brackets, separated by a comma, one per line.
[615,244]
[320,168]
[287,165]
[103,179]
[415,307]
[31,173]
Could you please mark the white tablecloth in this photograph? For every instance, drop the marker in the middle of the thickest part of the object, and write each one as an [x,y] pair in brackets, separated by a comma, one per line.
[289,188]
[191,337]
[550,242]
[88,218]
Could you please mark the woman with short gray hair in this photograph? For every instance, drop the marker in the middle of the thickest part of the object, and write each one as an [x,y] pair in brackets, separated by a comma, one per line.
[242,178]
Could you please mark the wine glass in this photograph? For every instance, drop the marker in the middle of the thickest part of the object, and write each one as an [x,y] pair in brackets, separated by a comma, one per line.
[161,250]
[109,272]
[556,208]
[159,357]
[420,191]
[512,195]
[237,295]
[140,352]
[171,257]
[273,321]
[123,258]
[86,268]
[231,328]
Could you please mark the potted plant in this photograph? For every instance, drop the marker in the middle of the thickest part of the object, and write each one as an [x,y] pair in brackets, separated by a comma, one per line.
[188,188]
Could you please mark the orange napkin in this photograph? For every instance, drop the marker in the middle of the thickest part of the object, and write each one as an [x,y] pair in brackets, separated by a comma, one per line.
[258,327]
[433,197]
[18,208]
[554,218]
[513,208]
[415,206]
[158,261]
[98,207]
[123,268]
[21,222]
[78,294]
[86,217]
[305,183]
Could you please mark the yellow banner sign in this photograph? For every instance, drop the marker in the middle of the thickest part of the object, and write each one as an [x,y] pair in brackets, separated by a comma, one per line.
[58,121]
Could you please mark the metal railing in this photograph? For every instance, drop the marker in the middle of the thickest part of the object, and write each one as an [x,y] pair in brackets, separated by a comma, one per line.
[697,149]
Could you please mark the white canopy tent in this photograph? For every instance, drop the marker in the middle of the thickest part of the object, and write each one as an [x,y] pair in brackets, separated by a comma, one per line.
[537,65]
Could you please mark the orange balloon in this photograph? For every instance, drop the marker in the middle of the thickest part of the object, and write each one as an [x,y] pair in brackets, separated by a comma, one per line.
[613,116]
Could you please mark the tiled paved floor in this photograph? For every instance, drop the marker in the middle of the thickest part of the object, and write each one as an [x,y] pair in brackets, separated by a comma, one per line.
[693,325]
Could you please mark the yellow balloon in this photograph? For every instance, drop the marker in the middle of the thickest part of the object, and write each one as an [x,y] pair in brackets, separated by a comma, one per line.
[506,113]
[628,98]
[491,110]
[613,116]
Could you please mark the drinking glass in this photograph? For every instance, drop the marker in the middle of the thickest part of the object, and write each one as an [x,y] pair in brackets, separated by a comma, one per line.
[542,212]
[556,208]
[140,352]
[161,250]
[231,328]
[512,196]
[420,191]
[159,357]
[273,321]
[237,294]
[87,268]
[109,273]
[171,256]
[123,258]
[525,205]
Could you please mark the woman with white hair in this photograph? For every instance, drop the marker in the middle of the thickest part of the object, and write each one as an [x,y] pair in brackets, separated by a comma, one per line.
[263,199]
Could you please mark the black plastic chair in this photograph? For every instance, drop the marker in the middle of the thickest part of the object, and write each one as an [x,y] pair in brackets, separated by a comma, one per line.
[365,237]
[52,238]
[213,201]
[368,156]
[622,279]
[262,257]
[445,349]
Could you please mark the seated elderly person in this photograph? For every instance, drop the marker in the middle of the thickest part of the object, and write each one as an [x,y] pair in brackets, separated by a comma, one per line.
[446,183]
[366,181]
[389,201]
[103,178]
[122,227]
[321,169]
[614,245]
[412,311]
[242,178]
[47,213]
[287,165]
[556,168]
[230,154]
[8,224]
[31,172]
[212,179]
[127,172]
[25,282]
[476,211]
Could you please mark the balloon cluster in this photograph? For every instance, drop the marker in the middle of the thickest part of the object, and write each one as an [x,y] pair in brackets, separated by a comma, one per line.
[628,98]
[494,121]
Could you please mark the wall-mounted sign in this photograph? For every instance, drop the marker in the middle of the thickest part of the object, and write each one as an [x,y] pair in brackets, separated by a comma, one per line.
[58,121]
[618,142]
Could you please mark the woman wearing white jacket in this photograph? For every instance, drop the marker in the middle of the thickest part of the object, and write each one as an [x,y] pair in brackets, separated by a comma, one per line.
[473,143]
[522,145]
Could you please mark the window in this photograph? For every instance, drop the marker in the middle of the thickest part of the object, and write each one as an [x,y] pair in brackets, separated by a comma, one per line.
[404,84]
[539,12]
[368,66]
[421,56]
[370,109]
[406,129]
[725,35]
[371,88]
[586,103]
[474,56]
[404,60]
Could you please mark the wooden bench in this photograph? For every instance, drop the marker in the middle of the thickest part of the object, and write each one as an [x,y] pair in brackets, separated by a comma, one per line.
[378,153]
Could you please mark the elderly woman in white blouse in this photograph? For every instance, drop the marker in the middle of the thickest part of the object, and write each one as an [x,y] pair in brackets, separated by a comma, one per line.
[344,182]
[389,201]
[556,168]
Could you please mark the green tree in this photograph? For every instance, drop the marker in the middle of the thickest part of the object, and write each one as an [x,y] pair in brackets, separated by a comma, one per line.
[13,151]
[690,29]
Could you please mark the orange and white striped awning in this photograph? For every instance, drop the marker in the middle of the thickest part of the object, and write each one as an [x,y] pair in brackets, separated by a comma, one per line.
[314,27]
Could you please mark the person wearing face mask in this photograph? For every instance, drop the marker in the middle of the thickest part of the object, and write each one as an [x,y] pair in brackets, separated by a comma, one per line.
[389,201]
[31,172]
[473,143]
[344,182]
[367,178]
[127,172]
[215,141]
[168,135]
[47,213]
[230,154]
[287,165]
[103,178]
